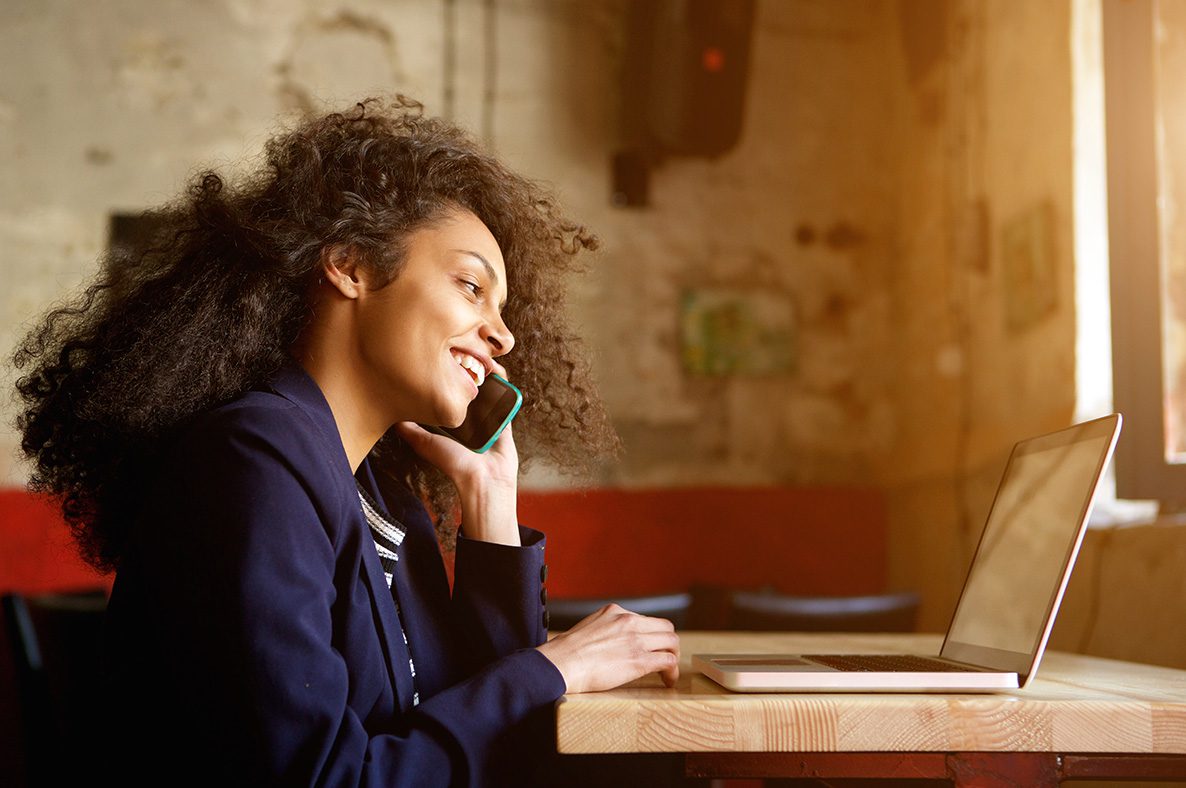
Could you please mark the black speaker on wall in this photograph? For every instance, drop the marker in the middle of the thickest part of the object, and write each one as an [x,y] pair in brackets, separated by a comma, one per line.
[684,82]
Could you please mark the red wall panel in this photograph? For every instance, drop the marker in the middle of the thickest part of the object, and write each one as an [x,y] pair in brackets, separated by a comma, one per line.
[809,540]
[36,551]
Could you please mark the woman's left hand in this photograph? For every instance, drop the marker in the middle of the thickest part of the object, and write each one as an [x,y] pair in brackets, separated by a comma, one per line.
[487,484]
[611,647]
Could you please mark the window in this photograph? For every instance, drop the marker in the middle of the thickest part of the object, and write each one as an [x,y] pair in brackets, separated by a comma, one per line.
[1145,132]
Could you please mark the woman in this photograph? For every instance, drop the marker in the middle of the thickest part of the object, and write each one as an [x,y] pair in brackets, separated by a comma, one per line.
[230,423]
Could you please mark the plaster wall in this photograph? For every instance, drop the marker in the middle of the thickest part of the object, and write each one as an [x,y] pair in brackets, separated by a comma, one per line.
[983,362]
[1125,598]
[984,357]
[109,107]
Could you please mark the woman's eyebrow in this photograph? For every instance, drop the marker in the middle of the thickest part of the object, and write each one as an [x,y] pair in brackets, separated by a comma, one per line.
[490,272]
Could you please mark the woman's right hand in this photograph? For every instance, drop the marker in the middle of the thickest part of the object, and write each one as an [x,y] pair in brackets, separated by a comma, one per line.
[614,646]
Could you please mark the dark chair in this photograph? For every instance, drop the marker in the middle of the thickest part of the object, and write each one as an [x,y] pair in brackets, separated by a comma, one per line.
[563,613]
[56,642]
[764,611]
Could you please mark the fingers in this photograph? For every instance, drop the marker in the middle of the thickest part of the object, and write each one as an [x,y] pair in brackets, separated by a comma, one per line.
[505,445]
[650,643]
[612,647]
[670,674]
[439,449]
[659,641]
[420,439]
[662,657]
[664,661]
[659,646]
[411,432]
[653,623]
[644,623]
[456,460]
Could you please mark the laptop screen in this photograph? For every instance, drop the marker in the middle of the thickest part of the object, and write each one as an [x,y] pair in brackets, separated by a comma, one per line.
[1032,531]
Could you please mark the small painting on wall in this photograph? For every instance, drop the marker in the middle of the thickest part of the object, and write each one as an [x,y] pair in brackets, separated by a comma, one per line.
[737,332]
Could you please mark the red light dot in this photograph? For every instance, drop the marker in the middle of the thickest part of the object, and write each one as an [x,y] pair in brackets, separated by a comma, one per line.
[713,59]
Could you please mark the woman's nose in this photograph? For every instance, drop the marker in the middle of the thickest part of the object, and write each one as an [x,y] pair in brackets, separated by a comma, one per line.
[498,336]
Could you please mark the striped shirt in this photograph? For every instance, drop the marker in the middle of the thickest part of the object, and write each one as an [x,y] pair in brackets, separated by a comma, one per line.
[388,535]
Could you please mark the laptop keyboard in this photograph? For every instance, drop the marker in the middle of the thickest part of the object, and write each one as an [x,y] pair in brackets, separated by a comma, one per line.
[887,663]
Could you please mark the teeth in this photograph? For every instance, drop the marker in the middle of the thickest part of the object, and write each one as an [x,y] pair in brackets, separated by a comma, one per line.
[473,365]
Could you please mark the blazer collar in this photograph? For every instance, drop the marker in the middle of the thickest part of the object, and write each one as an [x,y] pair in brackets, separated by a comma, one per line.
[296,385]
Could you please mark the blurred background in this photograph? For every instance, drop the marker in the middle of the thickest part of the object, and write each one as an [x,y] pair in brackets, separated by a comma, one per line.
[852,251]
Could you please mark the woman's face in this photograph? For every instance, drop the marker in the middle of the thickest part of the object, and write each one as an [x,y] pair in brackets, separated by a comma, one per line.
[429,337]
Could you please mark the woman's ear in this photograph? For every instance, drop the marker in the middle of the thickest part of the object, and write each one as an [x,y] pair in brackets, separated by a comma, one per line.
[340,270]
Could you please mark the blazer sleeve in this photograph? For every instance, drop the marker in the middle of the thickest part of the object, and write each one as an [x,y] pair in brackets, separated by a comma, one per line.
[498,595]
[254,582]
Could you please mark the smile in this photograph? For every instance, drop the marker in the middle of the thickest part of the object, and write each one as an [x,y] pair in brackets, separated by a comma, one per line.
[471,365]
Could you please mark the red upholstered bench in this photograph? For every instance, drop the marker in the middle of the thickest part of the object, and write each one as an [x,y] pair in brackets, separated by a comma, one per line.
[36,551]
[797,540]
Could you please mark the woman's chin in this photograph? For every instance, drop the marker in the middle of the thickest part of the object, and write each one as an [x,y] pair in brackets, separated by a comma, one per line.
[452,418]
[449,412]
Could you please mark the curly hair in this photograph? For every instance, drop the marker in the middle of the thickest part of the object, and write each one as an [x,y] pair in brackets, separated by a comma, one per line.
[214,308]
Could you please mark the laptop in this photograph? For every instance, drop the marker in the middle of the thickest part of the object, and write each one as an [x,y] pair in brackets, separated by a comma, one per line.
[1010,597]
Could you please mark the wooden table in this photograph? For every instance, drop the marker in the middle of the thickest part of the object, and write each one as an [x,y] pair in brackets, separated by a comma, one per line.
[1082,717]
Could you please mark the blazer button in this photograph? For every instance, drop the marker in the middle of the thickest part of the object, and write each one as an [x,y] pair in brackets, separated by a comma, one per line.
[543,573]
[543,596]
[547,618]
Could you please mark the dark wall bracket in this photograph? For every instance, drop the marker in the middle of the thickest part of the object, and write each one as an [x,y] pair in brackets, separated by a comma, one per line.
[684,81]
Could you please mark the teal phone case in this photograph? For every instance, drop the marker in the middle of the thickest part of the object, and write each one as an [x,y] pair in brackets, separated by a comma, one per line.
[510,416]
[494,436]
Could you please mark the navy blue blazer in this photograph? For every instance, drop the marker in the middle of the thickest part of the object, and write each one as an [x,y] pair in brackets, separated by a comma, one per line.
[252,638]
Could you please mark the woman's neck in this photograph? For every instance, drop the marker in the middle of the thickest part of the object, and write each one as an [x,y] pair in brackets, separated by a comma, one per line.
[326,353]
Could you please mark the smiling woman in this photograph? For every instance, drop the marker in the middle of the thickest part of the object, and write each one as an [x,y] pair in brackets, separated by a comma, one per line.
[229,421]
[424,342]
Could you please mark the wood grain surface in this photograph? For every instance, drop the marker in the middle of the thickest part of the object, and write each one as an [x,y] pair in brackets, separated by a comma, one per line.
[1076,704]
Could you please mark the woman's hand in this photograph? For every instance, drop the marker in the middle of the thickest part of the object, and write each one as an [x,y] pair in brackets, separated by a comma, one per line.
[487,484]
[614,646]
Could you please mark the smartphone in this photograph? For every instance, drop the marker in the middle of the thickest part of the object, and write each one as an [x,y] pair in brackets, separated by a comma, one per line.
[487,416]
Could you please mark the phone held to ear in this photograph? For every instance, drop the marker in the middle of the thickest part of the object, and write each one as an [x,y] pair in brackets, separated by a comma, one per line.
[487,416]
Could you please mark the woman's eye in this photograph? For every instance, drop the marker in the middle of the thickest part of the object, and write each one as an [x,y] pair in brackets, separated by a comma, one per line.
[473,287]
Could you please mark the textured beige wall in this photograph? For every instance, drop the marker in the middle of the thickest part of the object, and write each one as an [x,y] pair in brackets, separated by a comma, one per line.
[1125,600]
[814,158]
[109,106]
[988,145]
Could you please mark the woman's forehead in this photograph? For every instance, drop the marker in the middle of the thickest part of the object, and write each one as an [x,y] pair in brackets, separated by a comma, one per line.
[463,232]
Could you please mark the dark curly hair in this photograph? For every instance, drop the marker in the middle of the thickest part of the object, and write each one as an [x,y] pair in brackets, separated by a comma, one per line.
[214,308]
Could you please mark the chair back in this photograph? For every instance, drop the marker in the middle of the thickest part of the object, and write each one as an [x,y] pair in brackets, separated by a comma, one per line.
[766,611]
[564,613]
[56,642]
